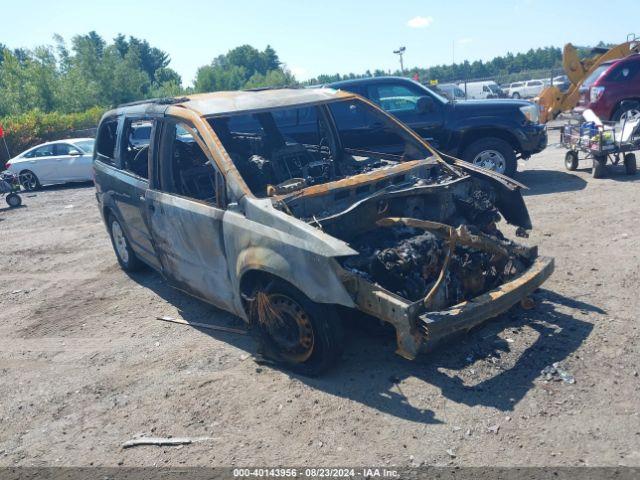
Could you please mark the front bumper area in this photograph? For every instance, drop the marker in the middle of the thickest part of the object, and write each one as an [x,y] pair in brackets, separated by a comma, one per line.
[533,139]
[417,329]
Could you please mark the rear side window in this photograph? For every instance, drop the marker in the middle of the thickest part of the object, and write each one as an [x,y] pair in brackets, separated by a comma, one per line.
[624,72]
[107,140]
[135,153]
[44,151]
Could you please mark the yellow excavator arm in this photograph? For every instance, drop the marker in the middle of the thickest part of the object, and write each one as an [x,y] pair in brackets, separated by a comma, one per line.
[552,101]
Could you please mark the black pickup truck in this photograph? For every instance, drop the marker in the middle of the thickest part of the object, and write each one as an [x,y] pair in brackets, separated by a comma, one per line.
[489,133]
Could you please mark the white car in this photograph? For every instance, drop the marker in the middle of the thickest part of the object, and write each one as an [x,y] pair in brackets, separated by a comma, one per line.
[528,89]
[53,163]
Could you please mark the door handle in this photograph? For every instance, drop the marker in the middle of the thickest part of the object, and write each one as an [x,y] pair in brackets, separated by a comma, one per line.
[152,207]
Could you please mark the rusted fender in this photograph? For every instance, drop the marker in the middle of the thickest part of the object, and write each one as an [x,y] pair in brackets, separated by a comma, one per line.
[267,240]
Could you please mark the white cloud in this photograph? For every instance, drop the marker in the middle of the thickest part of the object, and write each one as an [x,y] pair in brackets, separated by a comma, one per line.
[465,41]
[420,22]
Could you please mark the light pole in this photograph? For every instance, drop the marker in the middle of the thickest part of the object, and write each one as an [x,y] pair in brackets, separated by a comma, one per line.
[400,52]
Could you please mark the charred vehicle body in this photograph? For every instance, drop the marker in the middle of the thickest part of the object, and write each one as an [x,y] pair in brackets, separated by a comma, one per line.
[259,203]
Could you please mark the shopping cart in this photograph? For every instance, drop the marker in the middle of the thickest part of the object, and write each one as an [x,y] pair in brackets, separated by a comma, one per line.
[612,141]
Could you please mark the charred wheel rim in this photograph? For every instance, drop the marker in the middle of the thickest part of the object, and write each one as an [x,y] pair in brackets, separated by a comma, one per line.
[289,327]
[28,180]
[119,241]
[491,160]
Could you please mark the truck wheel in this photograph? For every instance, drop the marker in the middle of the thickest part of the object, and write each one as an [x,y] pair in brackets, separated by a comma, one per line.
[13,200]
[571,160]
[630,111]
[301,335]
[29,180]
[515,95]
[599,167]
[126,258]
[630,164]
[493,154]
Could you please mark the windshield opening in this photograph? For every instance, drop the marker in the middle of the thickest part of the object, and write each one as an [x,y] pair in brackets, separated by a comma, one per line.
[283,150]
[591,79]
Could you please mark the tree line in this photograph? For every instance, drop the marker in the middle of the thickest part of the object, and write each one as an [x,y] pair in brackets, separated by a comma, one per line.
[91,71]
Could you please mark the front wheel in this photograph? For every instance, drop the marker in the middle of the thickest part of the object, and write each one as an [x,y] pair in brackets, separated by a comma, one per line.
[516,95]
[13,200]
[125,255]
[630,111]
[571,160]
[630,164]
[303,336]
[493,154]
[29,180]
[599,166]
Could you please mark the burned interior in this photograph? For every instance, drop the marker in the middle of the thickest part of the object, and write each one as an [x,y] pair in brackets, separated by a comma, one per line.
[425,230]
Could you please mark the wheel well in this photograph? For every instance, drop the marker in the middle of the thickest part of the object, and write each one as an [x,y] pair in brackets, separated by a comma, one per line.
[106,211]
[479,134]
[252,278]
[618,105]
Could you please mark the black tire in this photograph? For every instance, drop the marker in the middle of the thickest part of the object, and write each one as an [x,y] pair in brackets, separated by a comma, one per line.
[620,110]
[493,144]
[128,260]
[599,167]
[630,164]
[515,95]
[13,200]
[29,180]
[294,332]
[571,160]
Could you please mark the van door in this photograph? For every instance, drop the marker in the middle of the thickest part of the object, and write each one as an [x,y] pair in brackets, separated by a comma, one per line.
[185,212]
[129,197]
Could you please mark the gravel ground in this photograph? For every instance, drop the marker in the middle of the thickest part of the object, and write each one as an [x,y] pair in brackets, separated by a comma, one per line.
[85,365]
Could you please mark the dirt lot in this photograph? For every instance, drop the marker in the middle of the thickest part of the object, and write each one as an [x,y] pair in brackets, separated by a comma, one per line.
[85,365]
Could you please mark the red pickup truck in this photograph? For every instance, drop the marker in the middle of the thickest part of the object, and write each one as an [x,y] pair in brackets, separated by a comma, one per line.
[611,84]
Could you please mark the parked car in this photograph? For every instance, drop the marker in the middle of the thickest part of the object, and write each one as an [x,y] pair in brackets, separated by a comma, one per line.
[276,206]
[528,89]
[488,133]
[562,82]
[611,84]
[452,91]
[53,163]
[480,90]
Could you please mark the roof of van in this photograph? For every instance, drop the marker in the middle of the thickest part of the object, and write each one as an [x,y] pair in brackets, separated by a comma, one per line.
[221,103]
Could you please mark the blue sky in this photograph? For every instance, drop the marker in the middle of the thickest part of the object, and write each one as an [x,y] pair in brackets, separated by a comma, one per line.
[328,36]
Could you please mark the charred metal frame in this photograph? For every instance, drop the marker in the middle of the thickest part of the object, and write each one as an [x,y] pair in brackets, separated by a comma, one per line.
[260,238]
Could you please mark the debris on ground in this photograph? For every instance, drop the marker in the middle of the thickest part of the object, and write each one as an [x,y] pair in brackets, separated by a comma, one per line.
[556,373]
[162,441]
[493,429]
[202,325]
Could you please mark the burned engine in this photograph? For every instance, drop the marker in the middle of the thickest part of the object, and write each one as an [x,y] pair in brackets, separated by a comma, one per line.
[409,261]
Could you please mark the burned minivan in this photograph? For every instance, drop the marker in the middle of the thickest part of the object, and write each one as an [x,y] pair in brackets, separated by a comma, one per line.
[268,204]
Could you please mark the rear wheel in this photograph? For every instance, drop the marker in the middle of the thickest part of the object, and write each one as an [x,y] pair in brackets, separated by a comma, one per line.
[515,95]
[599,167]
[571,160]
[13,200]
[303,336]
[29,180]
[126,258]
[630,164]
[493,154]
